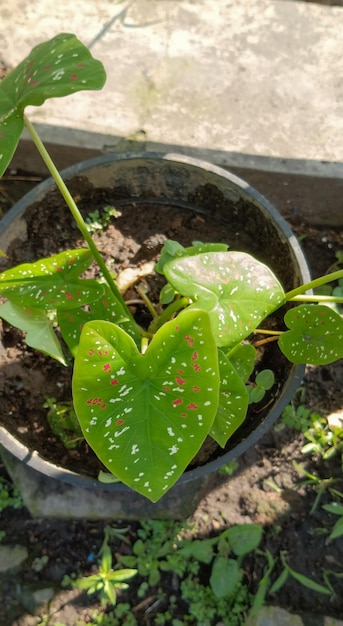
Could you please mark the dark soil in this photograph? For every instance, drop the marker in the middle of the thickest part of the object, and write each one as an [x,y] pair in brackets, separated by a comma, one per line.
[265,488]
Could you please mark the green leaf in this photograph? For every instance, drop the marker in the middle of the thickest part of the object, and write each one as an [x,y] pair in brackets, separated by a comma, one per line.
[235,289]
[333,507]
[225,576]
[52,283]
[106,559]
[337,530]
[146,416]
[309,583]
[172,249]
[199,549]
[55,68]
[265,379]
[279,582]
[10,131]
[107,308]
[40,333]
[315,335]
[243,358]
[233,402]
[119,575]
[104,477]
[244,538]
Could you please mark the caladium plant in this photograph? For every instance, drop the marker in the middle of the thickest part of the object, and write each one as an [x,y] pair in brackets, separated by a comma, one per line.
[146,399]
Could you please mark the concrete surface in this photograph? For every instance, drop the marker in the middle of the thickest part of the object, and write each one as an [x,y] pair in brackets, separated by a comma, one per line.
[245,83]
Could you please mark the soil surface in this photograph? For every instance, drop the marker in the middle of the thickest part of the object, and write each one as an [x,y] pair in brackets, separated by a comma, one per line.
[266,488]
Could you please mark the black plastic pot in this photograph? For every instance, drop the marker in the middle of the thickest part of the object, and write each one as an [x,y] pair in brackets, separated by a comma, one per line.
[155,179]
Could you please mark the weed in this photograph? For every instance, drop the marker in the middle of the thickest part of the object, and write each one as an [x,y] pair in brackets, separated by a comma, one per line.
[106,581]
[9,495]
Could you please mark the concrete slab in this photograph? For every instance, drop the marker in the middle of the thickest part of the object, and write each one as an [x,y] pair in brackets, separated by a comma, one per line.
[254,83]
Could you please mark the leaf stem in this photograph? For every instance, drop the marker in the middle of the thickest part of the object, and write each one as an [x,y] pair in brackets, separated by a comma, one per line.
[317,282]
[314,298]
[262,331]
[147,302]
[176,305]
[72,206]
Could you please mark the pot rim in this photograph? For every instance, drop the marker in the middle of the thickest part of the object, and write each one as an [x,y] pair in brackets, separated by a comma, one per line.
[41,465]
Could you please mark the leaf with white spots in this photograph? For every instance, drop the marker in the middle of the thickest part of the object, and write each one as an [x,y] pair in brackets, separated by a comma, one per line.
[243,357]
[52,283]
[146,415]
[315,335]
[10,131]
[233,402]
[55,68]
[235,289]
[40,333]
[107,308]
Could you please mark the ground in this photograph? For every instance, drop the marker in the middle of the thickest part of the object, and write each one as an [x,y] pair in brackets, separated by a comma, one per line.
[266,488]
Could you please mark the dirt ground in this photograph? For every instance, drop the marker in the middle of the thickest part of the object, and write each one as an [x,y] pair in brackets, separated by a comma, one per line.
[266,488]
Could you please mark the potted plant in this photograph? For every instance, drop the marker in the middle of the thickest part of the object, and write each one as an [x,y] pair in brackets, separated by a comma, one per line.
[148,396]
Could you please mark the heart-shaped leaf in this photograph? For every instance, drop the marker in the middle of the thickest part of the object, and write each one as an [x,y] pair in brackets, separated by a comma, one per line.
[235,289]
[107,308]
[55,68]
[315,335]
[40,333]
[146,415]
[52,283]
[233,402]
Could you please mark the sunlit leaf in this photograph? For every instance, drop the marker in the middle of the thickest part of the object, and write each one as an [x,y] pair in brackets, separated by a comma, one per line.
[146,415]
[52,283]
[315,335]
[55,68]
[235,289]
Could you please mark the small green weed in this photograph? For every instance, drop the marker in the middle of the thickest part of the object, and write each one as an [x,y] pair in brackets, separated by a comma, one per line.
[168,547]
[106,581]
[324,437]
[336,508]
[99,220]
[9,495]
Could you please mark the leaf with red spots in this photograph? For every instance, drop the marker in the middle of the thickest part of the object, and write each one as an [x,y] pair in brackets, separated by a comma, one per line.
[236,290]
[107,308]
[52,283]
[146,415]
[315,335]
[55,68]
[40,333]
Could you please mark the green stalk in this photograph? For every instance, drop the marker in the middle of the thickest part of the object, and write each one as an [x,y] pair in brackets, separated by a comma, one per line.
[72,206]
[172,308]
[317,282]
[325,299]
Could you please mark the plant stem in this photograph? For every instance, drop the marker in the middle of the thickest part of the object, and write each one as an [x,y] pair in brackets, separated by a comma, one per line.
[317,282]
[72,206]
[328,299]
[175,306]
[147,302]
[262,331]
